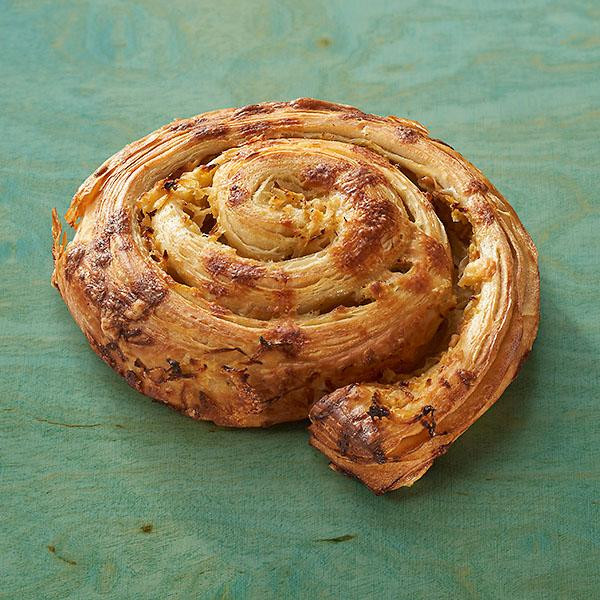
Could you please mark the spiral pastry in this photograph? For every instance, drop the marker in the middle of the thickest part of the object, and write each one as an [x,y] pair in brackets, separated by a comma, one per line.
[305,259]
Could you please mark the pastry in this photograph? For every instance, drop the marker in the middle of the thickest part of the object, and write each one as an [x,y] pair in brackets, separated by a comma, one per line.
[305,259]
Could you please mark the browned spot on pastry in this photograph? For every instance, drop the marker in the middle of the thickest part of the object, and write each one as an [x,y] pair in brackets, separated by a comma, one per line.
[217,309]
[363,240]
[133,380]
[356,180]
[484,212]
[379,455]
[476,186]
[183,125]
[237,195]
[427,419]
[286,122]
[328,404]
[149,289]
[108,351]
[344,441]
[287,337]
[94,286]
[170,184]
[357,434]
[281,276]
[73,260]
[359,438]
[441,450]
[117,223]
[217,290]
[209,132]
[101,170]
[143,339]
[239,272]
[101,255]
[262,127]
[252,109]
[377,410]
[175,372]
[313,104]
[407,135]
[359,115]
[445,383]
[114,304]
[130,333]
[255,128]
[467,377]
[322,175]
[100,350]
[137,337]
[437,259]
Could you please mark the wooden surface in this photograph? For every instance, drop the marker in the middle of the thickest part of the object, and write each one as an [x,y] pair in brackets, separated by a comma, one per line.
[106,494]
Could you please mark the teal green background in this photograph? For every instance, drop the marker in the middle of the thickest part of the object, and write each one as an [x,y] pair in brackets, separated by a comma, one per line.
[87,464]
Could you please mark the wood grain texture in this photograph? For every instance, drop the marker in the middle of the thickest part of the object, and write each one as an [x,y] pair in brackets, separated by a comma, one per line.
[105,494]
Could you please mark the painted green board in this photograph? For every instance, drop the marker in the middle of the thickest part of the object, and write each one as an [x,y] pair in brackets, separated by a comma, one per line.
[106,494]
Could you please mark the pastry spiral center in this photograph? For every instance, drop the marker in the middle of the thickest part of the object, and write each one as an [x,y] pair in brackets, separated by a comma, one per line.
[275,203]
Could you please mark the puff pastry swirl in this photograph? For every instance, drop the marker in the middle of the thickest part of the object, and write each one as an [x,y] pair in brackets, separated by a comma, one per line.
[305,259]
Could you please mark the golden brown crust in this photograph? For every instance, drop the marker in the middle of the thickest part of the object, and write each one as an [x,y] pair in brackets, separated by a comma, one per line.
[282,260]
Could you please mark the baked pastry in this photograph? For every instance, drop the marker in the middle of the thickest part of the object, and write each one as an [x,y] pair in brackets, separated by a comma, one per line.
[304,258]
